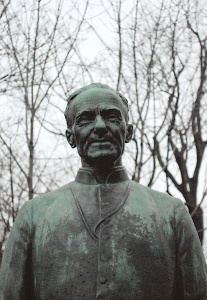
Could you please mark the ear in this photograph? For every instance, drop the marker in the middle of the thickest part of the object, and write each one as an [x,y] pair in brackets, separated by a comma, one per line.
[129,133]
[70,138]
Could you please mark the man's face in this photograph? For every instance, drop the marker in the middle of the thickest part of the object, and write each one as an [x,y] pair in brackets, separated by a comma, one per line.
[99,126]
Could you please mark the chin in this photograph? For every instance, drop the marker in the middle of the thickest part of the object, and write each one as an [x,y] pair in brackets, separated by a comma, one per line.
[104,160]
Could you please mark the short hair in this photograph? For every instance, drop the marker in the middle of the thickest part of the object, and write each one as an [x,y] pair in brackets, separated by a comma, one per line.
[86,88]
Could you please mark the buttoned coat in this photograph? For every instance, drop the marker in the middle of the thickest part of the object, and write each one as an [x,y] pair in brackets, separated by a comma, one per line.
[117,240]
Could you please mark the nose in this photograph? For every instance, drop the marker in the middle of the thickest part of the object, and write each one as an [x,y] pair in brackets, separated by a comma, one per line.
[100,126]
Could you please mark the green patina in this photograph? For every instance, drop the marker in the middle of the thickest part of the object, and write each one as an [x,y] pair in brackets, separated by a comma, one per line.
[102,236]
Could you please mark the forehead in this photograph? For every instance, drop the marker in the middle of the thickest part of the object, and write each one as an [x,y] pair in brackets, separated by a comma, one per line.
[101,99]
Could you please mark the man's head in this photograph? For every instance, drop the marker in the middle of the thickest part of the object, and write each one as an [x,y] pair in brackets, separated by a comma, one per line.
[97,120]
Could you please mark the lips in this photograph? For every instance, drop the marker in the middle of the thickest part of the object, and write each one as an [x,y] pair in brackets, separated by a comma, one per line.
[101,143]
[95,141]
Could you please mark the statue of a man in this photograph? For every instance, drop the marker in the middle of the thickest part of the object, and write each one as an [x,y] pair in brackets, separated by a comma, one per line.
[102,236]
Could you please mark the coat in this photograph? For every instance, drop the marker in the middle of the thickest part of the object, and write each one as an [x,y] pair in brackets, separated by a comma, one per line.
[117,240]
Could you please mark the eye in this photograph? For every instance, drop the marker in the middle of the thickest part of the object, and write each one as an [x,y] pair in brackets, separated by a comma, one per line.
[113,117]
[84,119]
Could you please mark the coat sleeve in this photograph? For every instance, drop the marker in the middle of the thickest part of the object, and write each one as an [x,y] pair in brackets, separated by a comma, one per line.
[15,268]
[191,264]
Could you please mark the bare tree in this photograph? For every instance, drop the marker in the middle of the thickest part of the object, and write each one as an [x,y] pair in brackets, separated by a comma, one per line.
[185,125]
[157,58]
[160,63]
[38,45]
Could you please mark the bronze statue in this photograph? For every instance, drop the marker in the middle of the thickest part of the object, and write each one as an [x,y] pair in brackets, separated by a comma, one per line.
[102,236]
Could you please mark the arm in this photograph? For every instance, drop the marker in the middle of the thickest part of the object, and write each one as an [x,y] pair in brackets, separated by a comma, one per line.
[15,268]
[191,266]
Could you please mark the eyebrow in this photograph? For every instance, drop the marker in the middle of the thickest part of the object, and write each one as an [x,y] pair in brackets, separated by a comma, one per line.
[84,112]
[112,110]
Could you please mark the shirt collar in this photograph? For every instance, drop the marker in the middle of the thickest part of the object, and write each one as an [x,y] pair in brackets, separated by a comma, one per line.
[88,176]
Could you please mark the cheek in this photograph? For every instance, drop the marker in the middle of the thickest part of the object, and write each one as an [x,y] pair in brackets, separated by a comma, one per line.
[120,132]
[77,136]
[80,135]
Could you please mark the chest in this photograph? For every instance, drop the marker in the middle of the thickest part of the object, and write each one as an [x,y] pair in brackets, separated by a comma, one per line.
[107,250]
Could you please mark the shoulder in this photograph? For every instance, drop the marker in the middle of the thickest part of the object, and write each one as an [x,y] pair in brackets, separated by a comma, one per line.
[51,196]
[153,198]
[51,200]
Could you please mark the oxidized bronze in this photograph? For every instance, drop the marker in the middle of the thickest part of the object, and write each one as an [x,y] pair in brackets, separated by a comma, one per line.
[102,236]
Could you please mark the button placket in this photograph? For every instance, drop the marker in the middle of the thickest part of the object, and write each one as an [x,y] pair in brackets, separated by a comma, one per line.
[104,243]
[111,201]
[104,254]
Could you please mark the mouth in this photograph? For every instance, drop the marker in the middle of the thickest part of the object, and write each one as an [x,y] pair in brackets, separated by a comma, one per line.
[101,144]
[100,141]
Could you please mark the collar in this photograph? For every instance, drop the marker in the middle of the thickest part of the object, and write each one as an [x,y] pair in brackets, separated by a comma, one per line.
[89,176]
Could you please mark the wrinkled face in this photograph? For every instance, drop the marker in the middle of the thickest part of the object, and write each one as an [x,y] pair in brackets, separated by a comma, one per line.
[99,126]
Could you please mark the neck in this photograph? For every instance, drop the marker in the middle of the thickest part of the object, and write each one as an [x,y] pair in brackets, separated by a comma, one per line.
[102,171]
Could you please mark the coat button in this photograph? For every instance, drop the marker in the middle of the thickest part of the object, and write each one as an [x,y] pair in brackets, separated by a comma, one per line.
[105,204]
[105,237]
[103,280]
[104,258]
